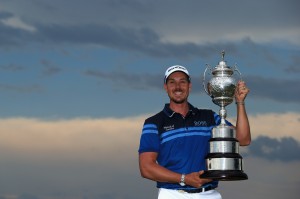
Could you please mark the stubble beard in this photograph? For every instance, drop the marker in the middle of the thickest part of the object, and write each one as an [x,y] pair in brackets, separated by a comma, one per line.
[181,101]
[178,101]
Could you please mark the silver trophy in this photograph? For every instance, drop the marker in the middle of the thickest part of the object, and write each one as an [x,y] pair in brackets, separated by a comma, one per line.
[223,160]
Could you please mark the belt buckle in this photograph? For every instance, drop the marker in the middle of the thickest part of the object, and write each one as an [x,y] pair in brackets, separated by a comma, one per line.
[181,191]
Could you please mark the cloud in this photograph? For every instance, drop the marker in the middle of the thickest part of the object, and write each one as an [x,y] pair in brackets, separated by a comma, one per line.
[203,25]
[16,22]
[270,179]
[141,40]
[144,27]
[293,67]
[27,196]
[280,90]
[284,149]
[50,68]
[12,67]
[83,135]
[33,136]
[12,37]
[275,125]
[274,136]
[132,81]
[81,157]
[21,88]
[69,158]
[5,15]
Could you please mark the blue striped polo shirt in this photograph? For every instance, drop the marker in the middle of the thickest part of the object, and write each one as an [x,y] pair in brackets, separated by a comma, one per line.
[181,142]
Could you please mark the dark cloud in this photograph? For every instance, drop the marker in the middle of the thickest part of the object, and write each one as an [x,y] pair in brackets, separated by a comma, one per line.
[188,32]
[12,67]
[275,89]
[146,38]
[147,41]
[50,68]
[133,81]
[282,90]
[27,196]
[5,15]
[129,24]
[21,88]
[284,149]
[12,37]
[142,40]
[264,88]
[251,13]
[294,66]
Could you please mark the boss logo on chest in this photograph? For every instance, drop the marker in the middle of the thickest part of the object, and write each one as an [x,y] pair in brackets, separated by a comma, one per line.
[200,123]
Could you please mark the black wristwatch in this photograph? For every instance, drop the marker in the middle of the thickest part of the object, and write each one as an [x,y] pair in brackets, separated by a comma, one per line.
[182,183]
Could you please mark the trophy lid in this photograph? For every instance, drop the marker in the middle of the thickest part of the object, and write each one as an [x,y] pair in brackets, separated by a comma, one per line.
[222,67]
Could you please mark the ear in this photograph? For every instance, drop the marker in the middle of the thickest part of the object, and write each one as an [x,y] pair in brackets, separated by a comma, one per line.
[190,86]
[165,87]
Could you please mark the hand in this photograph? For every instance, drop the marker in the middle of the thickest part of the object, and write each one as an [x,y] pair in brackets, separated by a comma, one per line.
[241,91]
[194,179]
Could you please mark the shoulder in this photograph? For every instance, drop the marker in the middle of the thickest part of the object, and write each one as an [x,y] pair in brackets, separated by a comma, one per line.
[203,111]
[155,118]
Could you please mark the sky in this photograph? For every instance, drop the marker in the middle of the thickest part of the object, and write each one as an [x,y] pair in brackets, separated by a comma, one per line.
[78,79]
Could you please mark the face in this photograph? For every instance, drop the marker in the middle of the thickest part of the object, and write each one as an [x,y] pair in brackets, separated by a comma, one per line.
[178,87]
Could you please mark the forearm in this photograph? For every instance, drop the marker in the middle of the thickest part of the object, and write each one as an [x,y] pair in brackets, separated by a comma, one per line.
[153,171]
[242,125]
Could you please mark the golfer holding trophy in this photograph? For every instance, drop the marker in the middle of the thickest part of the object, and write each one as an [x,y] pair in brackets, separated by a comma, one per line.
[223,160]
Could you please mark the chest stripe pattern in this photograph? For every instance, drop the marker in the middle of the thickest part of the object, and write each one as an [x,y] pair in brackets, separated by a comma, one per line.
[184,132]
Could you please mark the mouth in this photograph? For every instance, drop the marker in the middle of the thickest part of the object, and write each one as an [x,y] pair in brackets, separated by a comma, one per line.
[178,93]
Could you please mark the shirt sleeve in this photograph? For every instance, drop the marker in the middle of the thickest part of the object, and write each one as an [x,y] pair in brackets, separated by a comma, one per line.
[149,141]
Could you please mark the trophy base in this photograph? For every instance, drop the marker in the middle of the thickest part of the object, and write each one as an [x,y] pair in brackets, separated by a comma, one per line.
[229,175]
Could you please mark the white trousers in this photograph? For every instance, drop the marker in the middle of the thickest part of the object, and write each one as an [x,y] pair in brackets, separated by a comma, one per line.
[175,194]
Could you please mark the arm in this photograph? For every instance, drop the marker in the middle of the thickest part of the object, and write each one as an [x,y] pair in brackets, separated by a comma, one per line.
[151,170]
[242,124]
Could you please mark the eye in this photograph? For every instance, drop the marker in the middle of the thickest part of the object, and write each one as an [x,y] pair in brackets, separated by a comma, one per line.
[171,81]
[184,81]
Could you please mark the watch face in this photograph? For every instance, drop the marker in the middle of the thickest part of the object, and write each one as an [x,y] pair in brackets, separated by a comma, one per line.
[182,180]
[182,184]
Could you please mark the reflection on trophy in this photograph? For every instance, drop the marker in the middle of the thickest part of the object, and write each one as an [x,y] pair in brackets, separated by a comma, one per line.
[223,160]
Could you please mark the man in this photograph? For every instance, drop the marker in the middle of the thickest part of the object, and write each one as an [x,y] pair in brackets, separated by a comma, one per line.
[175,141]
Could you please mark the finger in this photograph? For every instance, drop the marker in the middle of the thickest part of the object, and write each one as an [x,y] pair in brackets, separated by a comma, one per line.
[241,82]
[243,88]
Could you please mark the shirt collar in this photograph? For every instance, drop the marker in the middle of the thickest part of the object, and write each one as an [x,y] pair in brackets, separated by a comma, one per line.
[169,112]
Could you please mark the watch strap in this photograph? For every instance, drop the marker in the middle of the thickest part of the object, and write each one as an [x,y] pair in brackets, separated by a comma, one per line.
[182,180]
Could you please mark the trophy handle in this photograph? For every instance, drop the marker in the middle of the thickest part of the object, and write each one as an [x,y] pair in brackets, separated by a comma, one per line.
[236,69]
[203,83]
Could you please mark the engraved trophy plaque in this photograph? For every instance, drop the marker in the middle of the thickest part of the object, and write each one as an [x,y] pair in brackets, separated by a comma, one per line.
[223,160]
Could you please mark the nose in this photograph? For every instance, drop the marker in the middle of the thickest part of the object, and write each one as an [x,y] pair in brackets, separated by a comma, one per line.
[177,85]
